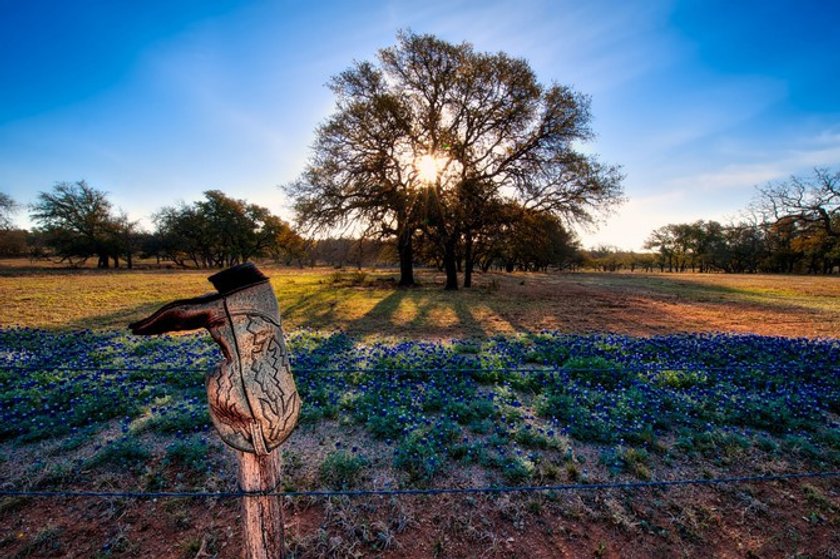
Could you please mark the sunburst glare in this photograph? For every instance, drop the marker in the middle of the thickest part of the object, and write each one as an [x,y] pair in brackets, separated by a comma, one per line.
[428,167]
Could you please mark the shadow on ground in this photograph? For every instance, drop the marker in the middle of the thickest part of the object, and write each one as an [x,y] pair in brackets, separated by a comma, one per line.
[634,304]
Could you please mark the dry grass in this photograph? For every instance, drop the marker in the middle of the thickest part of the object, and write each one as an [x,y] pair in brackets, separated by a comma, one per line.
[368,304]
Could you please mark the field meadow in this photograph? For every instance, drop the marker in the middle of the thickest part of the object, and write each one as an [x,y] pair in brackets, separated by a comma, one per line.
[526,379]
[366,304]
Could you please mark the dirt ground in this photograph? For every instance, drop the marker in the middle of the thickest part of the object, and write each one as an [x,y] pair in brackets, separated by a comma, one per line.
[785,520]
[622,303]
[367,304]
[642,305]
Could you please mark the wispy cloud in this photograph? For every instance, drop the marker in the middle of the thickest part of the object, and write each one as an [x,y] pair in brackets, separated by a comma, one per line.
[820,151]
[720,193]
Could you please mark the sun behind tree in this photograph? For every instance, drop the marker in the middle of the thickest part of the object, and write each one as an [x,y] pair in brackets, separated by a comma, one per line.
[428,167]
[436,137]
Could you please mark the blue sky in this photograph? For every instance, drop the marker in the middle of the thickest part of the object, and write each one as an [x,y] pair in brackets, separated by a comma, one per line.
[157,101]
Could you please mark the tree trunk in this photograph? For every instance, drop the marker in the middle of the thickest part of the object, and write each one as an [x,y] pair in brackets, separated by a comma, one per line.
[103,261]
[450,264]
[468,259]
[405,249]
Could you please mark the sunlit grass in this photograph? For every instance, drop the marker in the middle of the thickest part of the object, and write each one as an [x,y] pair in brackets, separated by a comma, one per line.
[367,303]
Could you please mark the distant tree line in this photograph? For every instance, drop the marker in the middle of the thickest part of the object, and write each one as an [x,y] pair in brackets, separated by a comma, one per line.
[13,242]
[611,259]
[76,223]
[795,228]
[220,231]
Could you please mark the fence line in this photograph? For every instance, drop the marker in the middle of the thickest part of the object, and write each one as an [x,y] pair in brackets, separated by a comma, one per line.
[636,485]
[455,369]
[578,487]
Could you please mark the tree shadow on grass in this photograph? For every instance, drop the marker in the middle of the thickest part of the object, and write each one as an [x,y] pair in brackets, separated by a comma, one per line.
[422,312]
[312,310]
[699,291]
[117,320]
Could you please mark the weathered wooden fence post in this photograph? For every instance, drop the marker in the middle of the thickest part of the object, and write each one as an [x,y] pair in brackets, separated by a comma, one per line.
[253,401]
[262,516]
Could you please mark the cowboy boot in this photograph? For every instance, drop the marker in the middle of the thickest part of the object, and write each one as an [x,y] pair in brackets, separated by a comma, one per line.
[253,401]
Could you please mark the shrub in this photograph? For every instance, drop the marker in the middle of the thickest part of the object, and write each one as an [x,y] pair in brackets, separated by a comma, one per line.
[341,469]
[561,406]
[418,457]
[534,438]
[190,454]
[516,469]
[185,416]
[123,453]
[632,460]
[681,379]
[546,350]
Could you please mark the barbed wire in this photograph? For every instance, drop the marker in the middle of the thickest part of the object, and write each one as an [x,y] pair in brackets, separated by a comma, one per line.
[634,485]
[454,369]
[40,368]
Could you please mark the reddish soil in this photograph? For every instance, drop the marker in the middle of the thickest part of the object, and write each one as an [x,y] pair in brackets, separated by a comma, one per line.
[622,303]
[644,305]
[772,520]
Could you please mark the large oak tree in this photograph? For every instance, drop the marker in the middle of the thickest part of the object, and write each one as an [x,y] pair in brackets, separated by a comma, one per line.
[432,134]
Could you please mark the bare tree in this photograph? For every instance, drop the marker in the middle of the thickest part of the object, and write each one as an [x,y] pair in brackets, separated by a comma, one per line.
[435,132]
[812,202]
[7,207]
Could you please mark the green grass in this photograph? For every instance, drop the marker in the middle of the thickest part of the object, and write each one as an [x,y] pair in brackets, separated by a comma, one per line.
[364,302]
[123,453]
[189,454]
[342,469]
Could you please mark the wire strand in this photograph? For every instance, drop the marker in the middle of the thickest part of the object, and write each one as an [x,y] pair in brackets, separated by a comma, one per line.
[430,491]
[455,369]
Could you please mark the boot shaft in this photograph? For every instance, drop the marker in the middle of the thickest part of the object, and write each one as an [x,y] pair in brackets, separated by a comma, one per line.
[253,400]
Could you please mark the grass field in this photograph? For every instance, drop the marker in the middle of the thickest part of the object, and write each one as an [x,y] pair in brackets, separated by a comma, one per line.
[528,379]
[366,303]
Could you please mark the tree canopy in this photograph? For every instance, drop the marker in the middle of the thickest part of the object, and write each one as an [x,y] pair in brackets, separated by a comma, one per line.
[434,137]
[812,203]
[7,208]
[220,231]
[78,221]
